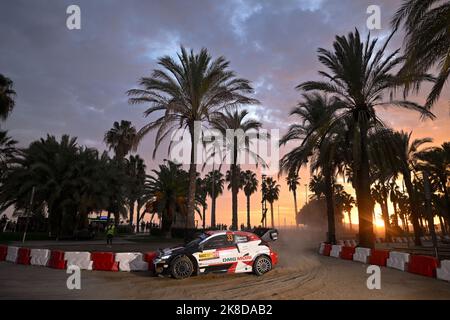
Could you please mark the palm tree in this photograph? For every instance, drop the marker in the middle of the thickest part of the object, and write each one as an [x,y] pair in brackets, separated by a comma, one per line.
[405,153]
[188,93]
[7,95]
[250,186]
[135,172]
[235,120]
[436,161]
[215,182]
[427,41]
[167,189]
[120,138]
[201,195]
[318,142]
[272,195]
[293,180]
[347,201]
[359,75]
[7,151]
[380,194]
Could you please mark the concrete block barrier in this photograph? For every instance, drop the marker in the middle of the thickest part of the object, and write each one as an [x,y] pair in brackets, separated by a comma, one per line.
[79,259]
[398,260]
[40,257]
[131,261]
[362,255]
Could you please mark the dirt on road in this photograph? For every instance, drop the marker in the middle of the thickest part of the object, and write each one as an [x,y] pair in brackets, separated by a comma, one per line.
[300,274]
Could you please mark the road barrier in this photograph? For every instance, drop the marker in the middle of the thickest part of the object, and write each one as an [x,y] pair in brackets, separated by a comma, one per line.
[57,260]
[327,249]
[79,259]
[361,255]
[443,273]
[321,248]
[398,260]
[23,256]
[104,261]
[40,257]
[379,257]
[423,265]
[347,253]
[13,252]
[149,257]
[131,261]
[335,251]
[3,252]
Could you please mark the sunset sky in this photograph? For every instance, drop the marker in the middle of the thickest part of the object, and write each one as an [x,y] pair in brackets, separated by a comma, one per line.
[74,82]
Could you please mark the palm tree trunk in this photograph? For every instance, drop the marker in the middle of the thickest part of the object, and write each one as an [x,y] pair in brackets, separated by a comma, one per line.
[204,217]
[213,211]
[387,224]
[414,207]
[234,188]
[331,235]
[350,220]
[365,207]
[131,213]
[271,214]
[294,192]
[248,212]
[443,181]
[190,217]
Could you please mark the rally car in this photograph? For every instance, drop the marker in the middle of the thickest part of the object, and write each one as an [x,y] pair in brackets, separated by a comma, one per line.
[219,251]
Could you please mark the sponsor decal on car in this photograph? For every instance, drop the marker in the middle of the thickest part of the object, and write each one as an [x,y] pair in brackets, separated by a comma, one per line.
[234,259]
[208,255]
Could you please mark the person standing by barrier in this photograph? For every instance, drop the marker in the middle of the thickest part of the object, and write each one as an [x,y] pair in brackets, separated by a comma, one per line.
[110,231]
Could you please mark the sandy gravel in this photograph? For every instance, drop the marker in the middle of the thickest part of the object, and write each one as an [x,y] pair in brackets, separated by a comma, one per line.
[301,274]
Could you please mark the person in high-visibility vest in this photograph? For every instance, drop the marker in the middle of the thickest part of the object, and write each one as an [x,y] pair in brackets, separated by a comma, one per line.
[110,231]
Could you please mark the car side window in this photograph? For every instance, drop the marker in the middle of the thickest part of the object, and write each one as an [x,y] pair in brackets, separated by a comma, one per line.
[217,242]
[240,239]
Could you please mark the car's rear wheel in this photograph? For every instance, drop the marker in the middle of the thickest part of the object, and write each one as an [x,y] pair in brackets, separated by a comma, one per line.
[262,265]
[181,267]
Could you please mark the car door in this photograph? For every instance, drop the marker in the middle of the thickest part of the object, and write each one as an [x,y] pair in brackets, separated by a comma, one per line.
[245,254]
[219,254]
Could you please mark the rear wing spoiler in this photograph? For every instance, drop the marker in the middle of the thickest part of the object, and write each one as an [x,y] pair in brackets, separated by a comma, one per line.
[266,234]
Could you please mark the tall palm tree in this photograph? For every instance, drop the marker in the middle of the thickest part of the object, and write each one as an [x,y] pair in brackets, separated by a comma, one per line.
[359,75]
[380,194]
[319,142]
[201,195]
[394,195]
[189,92]
[236,121]
[347,205]
[272,195]
[250,186]
[215,182]
[135,184]
[405,152]
[293,180]
[120,138]
[7,95]
[427,41]
[436,161]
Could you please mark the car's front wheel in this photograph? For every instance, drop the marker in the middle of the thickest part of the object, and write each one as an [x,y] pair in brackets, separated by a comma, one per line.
[181,267]
[262,265]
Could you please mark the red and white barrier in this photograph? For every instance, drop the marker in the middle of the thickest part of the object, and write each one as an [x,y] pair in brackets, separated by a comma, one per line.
[362,255]
[443,273]
[423,265]
[321,248]
[398,260]
[3,252]
[40,257]
[347,253]
[23,256]
[104,261]
[13,253]
[79,259]
[379,257]
[131,261]
[335,251]
[57,260]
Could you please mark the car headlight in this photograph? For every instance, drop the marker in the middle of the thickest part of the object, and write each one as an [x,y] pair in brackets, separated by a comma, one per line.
[165,257]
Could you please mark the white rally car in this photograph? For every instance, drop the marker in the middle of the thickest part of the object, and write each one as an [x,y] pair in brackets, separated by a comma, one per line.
[219,251]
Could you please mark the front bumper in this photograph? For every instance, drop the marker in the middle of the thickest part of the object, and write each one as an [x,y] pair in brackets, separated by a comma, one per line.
[161,266]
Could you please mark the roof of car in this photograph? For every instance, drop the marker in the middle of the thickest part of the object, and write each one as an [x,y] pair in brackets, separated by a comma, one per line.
[240,233]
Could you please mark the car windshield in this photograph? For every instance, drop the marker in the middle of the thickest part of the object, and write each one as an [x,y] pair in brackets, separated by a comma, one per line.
[197,240]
